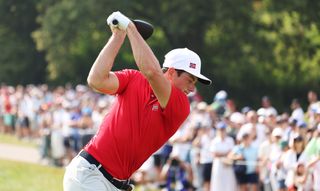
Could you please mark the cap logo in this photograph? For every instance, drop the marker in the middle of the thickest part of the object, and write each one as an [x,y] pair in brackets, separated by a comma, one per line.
[192,65]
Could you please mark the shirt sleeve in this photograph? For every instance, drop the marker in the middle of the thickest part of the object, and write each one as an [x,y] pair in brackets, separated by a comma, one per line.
[124,77]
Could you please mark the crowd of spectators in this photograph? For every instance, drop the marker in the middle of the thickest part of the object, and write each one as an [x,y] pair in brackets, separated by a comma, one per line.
[61,120]
[276,151]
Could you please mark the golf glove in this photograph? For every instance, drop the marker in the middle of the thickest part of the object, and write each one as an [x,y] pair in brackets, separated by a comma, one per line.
[118,20]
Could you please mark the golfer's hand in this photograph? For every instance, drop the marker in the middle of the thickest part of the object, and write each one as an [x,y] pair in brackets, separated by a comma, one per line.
[118,32]
[118,20]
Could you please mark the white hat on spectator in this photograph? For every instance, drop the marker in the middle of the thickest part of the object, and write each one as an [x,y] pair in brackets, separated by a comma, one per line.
[221,95]
[237,118]
[261,112]
[102,103]
[202,105]
[277,132]
[270,112]
[242,135]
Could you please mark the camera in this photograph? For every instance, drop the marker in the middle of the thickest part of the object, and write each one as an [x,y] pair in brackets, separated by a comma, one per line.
[175,162]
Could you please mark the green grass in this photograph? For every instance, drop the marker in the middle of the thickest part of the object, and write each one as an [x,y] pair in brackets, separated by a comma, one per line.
[11,139]
[17,176]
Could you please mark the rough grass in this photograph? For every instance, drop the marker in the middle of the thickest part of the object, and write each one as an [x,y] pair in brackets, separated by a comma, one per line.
[11,139]
[17,176]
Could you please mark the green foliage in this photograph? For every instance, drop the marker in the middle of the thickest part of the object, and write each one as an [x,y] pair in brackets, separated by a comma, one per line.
[68,35]
[20,63]
[249,48]
[293,47]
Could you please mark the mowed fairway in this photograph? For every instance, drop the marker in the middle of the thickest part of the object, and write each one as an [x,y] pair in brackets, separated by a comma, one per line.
[18,176]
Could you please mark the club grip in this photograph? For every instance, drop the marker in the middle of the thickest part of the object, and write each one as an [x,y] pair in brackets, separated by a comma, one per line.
[115,22]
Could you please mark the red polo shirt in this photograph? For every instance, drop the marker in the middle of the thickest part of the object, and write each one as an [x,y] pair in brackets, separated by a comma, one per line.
[136,126]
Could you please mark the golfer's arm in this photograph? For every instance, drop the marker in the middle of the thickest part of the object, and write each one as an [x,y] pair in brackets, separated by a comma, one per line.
[100,76]
[149,65]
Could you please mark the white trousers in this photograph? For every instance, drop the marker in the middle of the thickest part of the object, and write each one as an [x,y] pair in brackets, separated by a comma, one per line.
[80,175]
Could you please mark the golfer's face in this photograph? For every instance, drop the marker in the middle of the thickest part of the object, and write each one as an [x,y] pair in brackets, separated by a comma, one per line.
[185,82]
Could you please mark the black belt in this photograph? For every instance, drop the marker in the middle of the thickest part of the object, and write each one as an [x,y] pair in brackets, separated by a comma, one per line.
[122,185]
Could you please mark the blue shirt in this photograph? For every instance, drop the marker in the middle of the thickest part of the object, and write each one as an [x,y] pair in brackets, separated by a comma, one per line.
[250,154]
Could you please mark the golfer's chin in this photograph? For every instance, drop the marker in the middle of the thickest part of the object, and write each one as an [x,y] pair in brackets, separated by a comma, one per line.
[186,92]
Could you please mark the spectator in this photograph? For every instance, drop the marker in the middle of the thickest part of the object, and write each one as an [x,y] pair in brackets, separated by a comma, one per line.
[235,121]
[85,126]
[222,176]
[176,174]
[257,130]
[297,111]
[301,179]
[314,164]
[266,107]
[274,154]
[199,120]
[202,141]
[9,111]
[265,162]
[147,177]
[249,153]
[279,169]
[219,104]
[44,121]
[293,156]
[314,104]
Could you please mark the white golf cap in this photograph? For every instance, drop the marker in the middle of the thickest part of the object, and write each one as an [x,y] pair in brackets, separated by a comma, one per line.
[186,60]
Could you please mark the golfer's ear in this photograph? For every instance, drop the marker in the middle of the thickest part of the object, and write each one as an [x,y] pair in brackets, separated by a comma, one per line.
[171,73]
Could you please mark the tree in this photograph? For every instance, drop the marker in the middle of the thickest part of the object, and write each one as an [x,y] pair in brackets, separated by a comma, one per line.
[72,34]
[19,61]
[249,48]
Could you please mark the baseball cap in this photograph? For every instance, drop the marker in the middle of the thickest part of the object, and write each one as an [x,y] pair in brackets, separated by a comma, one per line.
[202,105]
[221,96]
[283,144]
[245,109]
[277,132]
[186,60]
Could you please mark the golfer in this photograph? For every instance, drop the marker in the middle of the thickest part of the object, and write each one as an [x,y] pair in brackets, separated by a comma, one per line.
[150,106]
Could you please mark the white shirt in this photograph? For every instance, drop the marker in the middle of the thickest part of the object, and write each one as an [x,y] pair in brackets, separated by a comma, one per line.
[205,141]
[316,176]
[222,177]
[298,114]
[267,111]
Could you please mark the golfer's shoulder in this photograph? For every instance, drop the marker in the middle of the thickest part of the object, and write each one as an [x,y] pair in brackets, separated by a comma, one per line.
[129,73]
